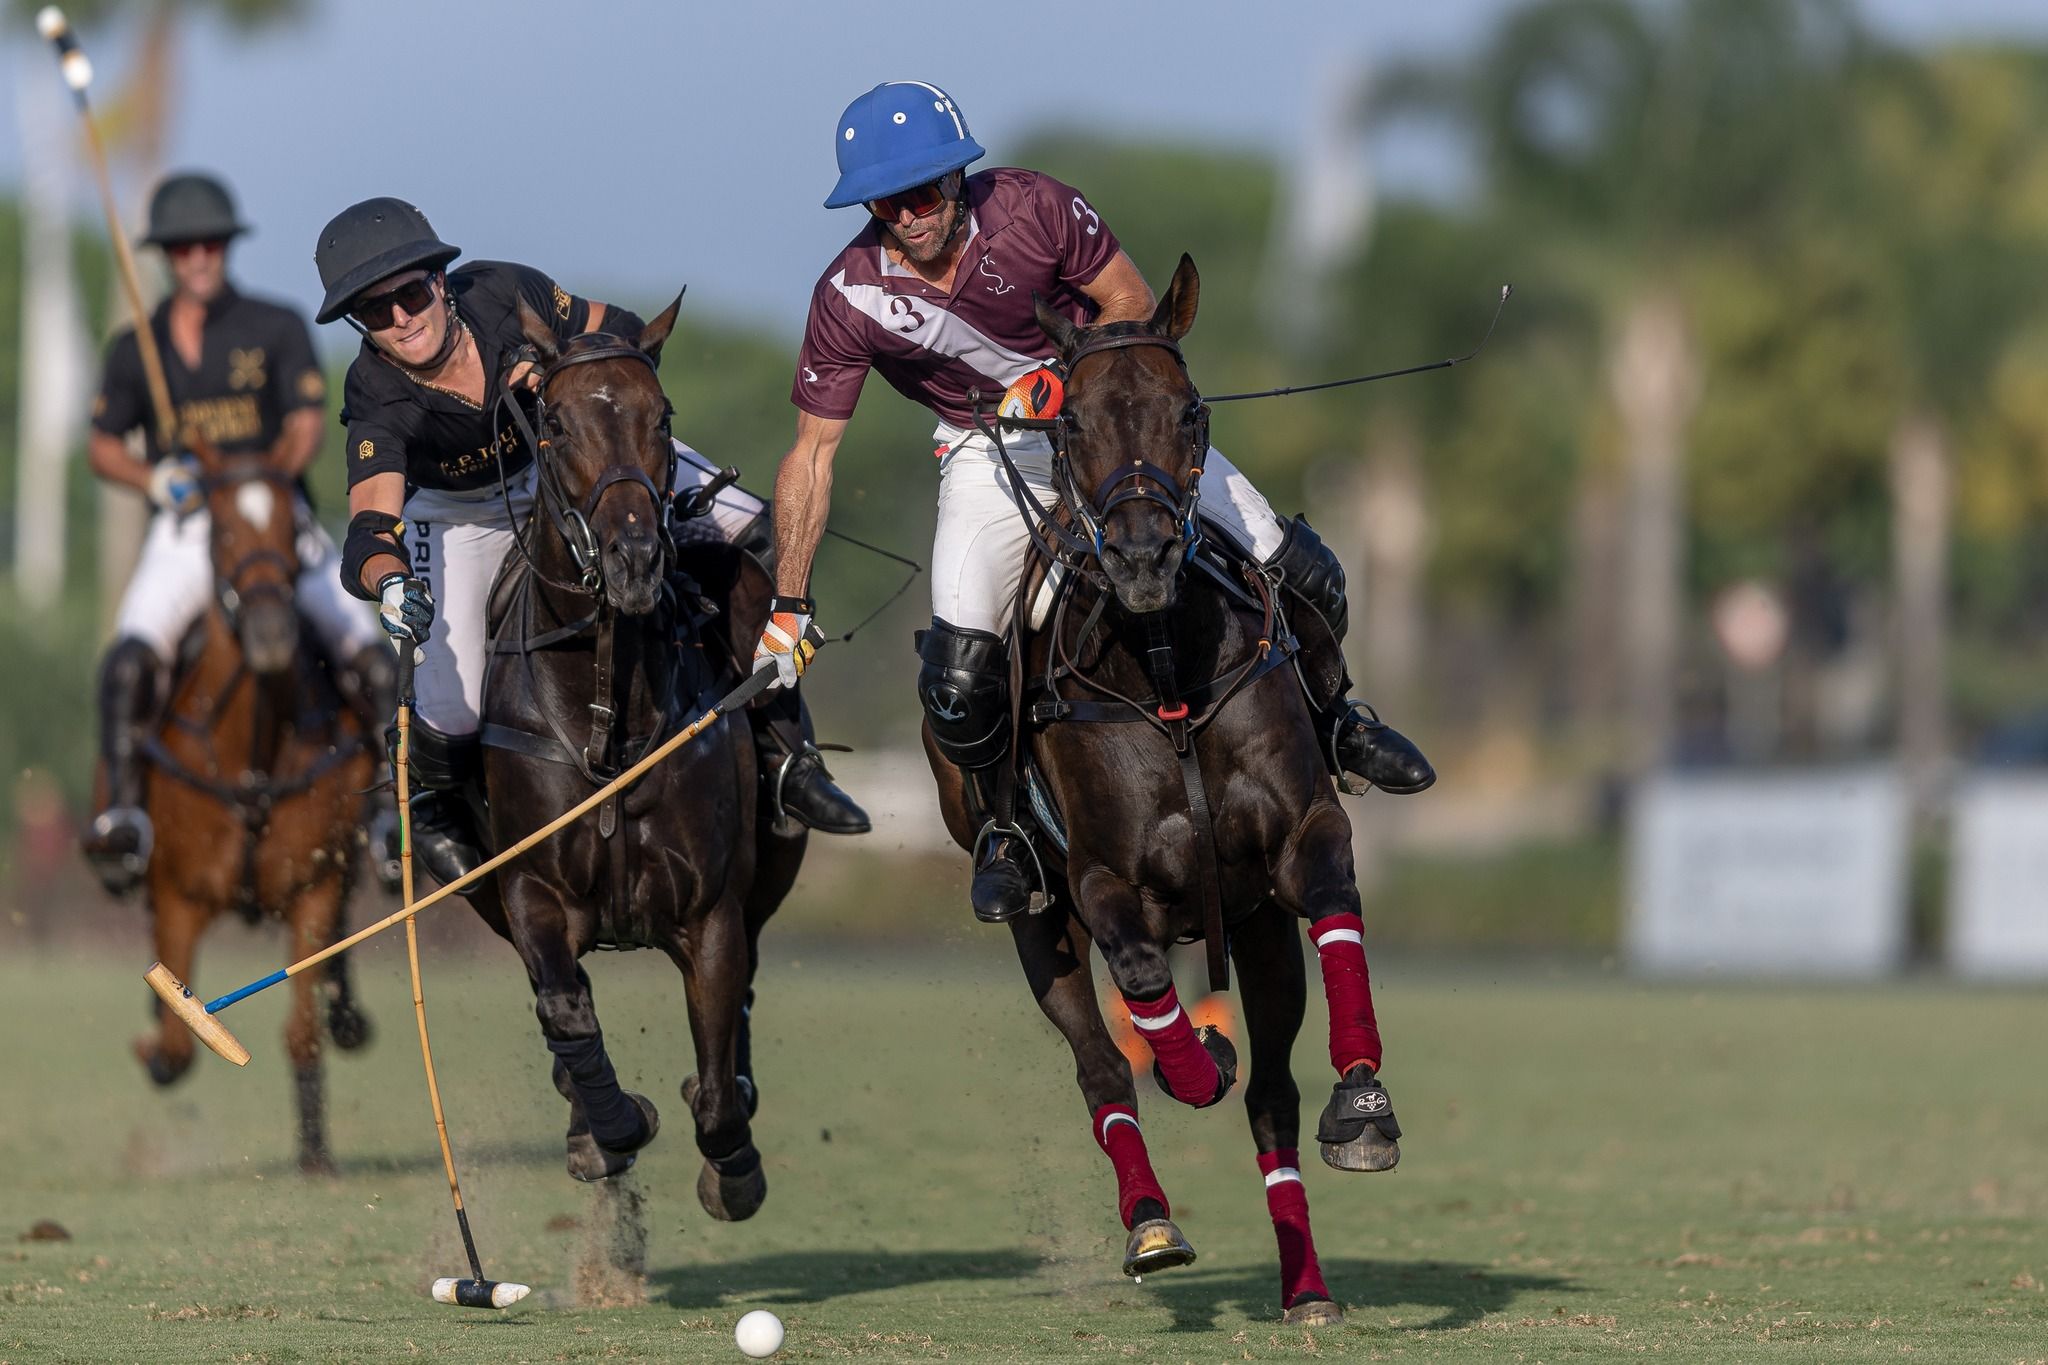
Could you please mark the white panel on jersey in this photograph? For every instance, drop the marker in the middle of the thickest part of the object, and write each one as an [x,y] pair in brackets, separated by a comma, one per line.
[1769,874]
[936,330]
[1998,881]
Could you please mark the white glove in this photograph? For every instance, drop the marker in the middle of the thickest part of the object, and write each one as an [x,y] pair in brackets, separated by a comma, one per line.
[405,607]
[174,485]
[789,641]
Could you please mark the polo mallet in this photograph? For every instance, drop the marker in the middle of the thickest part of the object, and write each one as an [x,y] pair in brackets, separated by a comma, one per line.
[476,1292]
[178,997]
[77,71]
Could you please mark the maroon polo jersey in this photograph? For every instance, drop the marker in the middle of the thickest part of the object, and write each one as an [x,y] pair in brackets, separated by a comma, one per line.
[1025,232]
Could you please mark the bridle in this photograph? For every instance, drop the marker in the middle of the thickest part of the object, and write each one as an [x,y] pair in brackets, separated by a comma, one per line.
[1133,480]
[228,590]
[571,520]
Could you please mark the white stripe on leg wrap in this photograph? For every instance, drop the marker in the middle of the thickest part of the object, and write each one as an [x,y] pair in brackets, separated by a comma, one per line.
[1281,1176]
[1330,936]
[1154,1025]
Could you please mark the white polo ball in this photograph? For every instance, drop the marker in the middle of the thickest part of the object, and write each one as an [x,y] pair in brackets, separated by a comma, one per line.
[759,1334]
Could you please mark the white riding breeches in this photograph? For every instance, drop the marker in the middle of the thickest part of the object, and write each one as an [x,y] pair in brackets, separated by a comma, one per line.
[173,584]
[456,541]
[981,546]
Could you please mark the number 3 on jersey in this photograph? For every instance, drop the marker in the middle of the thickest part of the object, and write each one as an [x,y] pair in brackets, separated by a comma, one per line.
[1081,210]
[901,307]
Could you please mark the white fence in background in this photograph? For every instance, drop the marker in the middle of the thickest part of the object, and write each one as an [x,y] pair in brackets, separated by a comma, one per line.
[1776,874]
[1998,878]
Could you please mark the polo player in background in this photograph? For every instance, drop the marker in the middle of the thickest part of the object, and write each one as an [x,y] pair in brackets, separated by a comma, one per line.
[243,378]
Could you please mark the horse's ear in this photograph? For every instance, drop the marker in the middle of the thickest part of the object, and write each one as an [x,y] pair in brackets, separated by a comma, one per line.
[656,332]
[1175,316]
[1056,327]
[542,337]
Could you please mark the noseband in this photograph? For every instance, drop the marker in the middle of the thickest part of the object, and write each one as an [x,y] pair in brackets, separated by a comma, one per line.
[1133,480]
[227,584]
[572,520]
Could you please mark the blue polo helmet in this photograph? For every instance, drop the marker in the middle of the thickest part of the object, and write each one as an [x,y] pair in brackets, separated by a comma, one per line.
[897,136]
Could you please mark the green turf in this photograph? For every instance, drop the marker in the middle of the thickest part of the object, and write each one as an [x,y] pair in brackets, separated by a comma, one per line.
[1593,1169]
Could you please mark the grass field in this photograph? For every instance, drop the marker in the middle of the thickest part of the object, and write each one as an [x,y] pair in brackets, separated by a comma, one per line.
[1594,1168]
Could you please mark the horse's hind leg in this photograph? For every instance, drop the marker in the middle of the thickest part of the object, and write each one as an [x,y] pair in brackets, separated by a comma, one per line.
[178,921]
[714,960]
[347,1025]
[1358,1131]
[312,920]
[1267,950]
[1053,949]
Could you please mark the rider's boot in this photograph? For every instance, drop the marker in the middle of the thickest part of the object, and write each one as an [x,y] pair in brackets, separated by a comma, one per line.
[369,684]
[795,787]
[1355,739]
[119,840]
[445,770]
[964,685]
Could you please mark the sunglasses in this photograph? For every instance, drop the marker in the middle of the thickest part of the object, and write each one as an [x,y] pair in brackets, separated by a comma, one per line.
[920,200]
[375,311]
[209,245]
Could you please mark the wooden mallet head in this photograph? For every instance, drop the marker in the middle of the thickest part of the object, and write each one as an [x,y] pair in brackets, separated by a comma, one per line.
[178,998]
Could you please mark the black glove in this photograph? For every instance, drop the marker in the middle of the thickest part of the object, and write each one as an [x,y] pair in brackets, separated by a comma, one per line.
[405,607]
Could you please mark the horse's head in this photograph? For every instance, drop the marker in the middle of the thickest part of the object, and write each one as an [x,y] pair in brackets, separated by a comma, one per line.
[606,464]
[254,546]
[1131,442]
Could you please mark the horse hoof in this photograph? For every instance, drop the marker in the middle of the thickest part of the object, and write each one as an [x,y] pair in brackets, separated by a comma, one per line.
[349,1027]
[1221,1051]
[749,1096]
[1313,1313]
[589,1161]
[162,1069]
[1371,1150]
[735,1194]
[1156,1244]
[318,1164]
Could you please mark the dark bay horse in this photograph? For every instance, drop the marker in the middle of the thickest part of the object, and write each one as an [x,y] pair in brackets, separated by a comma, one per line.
[255,780]
[1208,812]
[604,645]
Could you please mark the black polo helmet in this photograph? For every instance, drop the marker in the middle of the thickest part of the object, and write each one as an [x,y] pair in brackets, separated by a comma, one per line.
[191,208]
[366,242]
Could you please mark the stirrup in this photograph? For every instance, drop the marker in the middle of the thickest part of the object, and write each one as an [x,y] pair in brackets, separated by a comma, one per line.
[1348,782]
[120,872]
[1041,898]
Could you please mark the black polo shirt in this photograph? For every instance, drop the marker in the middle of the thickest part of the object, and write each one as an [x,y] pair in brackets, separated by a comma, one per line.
[256,366]
[437,440]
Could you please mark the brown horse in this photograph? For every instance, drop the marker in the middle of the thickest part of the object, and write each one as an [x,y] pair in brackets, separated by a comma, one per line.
[1166,718]
[255,775]
[603,646]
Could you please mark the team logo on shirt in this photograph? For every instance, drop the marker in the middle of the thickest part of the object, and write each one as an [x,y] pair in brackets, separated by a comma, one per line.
[366,450]
[1000,287]
[810,375]
[245,368]
[561,303]
[312,386]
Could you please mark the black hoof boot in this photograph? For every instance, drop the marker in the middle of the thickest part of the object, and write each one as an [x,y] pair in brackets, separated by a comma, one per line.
[1217,1044]
[1367,747]
[1003,888]
[117,847]
[803,790]
[732,1189]
[590,1162]
[750,1098]
[1358,1130]
[347,1025]
[444,835]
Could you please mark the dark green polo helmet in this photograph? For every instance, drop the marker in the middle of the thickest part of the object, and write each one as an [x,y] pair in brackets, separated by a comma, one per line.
[191,208]
[366,242]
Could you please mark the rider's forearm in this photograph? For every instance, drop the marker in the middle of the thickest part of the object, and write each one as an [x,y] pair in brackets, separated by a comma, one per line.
[299,441]
[803,501]
[380,493]
[109,458]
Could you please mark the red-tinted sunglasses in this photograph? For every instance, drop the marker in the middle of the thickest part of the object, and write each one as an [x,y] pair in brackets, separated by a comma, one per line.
[920,200]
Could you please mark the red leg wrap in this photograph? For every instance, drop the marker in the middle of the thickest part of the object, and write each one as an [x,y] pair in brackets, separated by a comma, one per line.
[1116,1132]
[1191,1075]
[1354,1032]
[1287,1201]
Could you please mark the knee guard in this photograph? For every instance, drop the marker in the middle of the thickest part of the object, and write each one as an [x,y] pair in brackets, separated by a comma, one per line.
[964,685]
[1309,569]
[131,680]
[441,761]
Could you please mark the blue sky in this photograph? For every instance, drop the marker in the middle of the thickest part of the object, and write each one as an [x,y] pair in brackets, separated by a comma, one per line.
[632,146]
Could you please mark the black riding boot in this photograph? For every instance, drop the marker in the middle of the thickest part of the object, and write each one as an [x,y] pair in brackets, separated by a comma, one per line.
[964,686]
[795,785]
[1355,739]
[369,684]
[445,832]
[118,843]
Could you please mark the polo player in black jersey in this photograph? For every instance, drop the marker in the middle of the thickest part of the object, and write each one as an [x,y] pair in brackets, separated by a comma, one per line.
[439,478]
[242,375]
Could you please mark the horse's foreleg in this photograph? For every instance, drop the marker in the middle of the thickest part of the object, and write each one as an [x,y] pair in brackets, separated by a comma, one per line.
[715,966]
[312,918]
[1267,951]
[1358,1131]
[347,1025]
[619,1122]
[1195,1066]
[178,920]
[1053,949]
